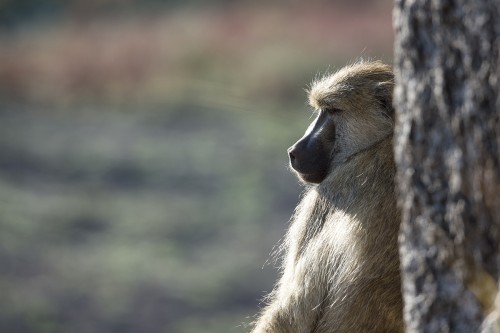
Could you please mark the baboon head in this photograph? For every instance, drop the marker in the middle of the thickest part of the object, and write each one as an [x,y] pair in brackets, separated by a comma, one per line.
[353,112]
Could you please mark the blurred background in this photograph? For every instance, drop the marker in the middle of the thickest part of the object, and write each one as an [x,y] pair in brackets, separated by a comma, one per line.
[143,166]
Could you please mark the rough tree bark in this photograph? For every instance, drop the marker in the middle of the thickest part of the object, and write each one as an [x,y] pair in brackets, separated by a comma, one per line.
[447,150]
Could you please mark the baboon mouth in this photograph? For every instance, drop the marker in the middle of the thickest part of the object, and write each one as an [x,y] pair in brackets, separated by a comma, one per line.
[312,178]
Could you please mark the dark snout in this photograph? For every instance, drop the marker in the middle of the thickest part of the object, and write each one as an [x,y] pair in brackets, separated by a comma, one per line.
[293,159]
[296,155]
[301,155]
[308,160]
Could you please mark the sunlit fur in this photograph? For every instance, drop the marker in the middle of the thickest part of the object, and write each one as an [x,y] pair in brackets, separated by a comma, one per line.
[492,322]
[340,269]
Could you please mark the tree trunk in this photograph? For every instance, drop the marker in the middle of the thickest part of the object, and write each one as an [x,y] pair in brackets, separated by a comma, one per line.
[447,150]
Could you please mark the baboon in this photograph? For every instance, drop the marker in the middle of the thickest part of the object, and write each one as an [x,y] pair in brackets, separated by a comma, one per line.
[340,266]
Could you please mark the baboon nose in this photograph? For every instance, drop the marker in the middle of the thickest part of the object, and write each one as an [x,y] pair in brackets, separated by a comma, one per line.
[291,154]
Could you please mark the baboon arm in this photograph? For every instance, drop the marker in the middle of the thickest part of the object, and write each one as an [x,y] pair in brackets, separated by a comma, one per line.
[272,322]
[296,303]
[295,306]
[286,318]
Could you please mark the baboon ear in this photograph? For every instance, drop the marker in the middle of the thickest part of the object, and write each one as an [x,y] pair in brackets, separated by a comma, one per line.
[383,93]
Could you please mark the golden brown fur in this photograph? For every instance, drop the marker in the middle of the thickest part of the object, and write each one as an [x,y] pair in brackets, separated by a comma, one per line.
[341,265]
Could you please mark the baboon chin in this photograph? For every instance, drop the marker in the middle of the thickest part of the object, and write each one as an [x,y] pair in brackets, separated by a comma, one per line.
[340,265]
